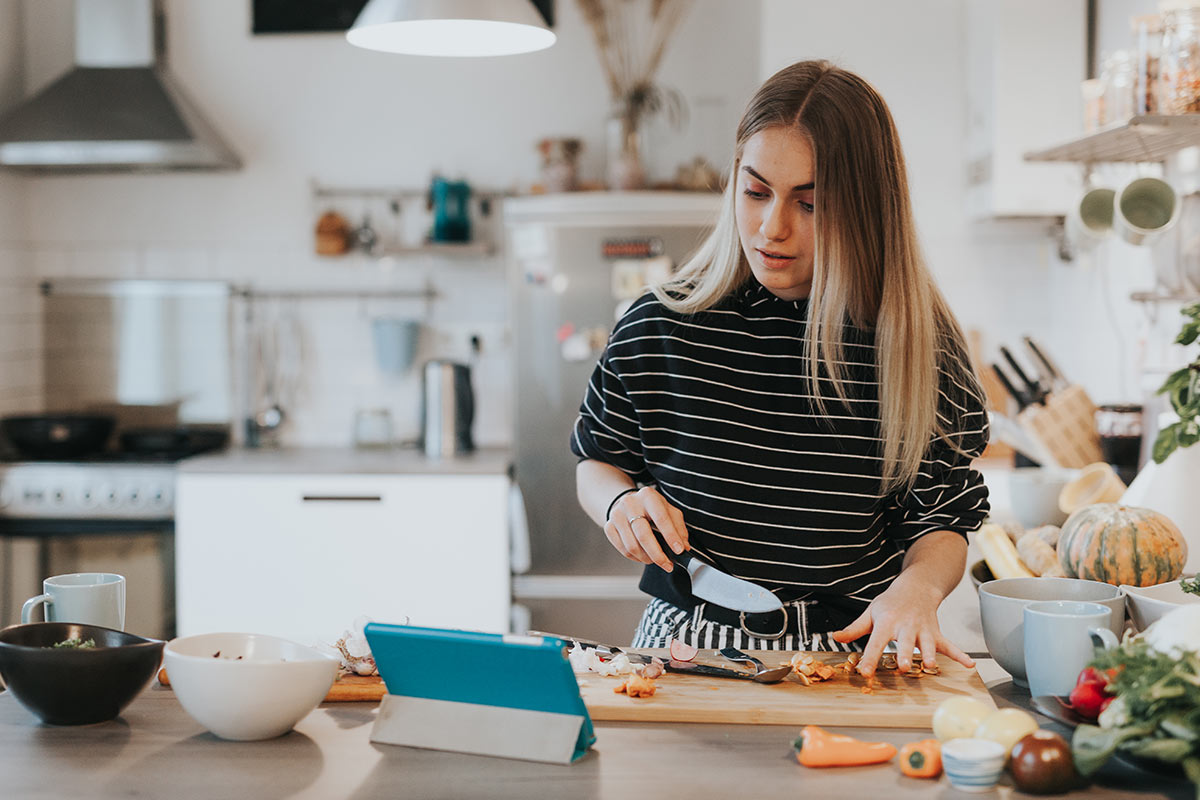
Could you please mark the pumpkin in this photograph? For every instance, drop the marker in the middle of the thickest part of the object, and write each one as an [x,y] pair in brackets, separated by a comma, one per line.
[1121,544]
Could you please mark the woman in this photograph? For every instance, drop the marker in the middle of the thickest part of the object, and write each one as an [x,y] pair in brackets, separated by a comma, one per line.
[795,406]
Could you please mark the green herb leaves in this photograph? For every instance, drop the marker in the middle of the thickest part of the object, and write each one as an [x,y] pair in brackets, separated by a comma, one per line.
[1182,388]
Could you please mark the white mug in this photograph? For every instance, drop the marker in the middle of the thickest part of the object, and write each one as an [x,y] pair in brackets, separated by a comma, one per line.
[1061,637]
[1090,220]
[1145,209]
[90,598]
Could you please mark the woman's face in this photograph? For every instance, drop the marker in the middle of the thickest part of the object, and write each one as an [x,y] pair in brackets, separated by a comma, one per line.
[775,210]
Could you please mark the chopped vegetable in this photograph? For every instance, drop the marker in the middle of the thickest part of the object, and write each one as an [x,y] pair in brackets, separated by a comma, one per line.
[76,643]
[636,686]
[922,759]
[682,651]
[1191,584]
[817,747]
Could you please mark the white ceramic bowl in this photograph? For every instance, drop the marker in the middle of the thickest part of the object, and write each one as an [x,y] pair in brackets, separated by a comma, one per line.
[1147,603]
[1002,613]
[973,765]
[247,686]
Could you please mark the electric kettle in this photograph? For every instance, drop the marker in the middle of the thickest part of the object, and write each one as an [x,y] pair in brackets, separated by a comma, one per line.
[447,409]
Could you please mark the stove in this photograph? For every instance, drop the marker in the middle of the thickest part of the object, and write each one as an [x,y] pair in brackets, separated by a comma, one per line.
[99,489]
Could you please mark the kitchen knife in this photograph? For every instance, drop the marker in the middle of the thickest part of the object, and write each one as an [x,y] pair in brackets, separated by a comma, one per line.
[715,586]
[1057,379]
[1036,393]
[1021,398]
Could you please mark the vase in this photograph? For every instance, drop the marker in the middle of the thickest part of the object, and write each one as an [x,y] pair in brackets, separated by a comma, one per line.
[626,169]
[1170,488]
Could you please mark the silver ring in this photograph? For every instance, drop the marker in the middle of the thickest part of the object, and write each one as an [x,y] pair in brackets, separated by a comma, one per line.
[639,516]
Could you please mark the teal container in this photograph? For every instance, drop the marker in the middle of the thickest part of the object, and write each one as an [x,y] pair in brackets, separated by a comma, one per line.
[451,211]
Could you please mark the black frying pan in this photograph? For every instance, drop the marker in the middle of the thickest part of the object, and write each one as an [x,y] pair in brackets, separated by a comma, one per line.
[46,436]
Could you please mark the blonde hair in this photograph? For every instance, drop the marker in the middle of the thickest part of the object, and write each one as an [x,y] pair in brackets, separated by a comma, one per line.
[868,268]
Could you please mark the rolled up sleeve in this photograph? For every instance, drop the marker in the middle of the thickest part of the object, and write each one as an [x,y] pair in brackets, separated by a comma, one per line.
[607,428]
[948,494]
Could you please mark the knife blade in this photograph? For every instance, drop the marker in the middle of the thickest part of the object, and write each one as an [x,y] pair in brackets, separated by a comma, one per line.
[1021,398]
[719,587]
[1057,379]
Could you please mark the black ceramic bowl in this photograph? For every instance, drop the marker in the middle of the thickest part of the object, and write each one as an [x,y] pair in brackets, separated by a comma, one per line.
[75,686]
[980,573]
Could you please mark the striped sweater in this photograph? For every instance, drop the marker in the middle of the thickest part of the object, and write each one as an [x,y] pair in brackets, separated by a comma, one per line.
[713,409]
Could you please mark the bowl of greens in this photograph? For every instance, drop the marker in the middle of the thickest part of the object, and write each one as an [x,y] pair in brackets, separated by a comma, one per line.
[66,673]
[1147,604]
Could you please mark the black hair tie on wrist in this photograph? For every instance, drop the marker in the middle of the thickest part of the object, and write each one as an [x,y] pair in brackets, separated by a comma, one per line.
[608,514]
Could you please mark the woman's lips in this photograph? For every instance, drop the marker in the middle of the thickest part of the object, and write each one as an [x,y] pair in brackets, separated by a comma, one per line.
[774,259]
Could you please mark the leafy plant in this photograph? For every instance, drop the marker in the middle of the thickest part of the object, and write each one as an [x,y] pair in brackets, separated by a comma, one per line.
[1182,388]
[1190,584]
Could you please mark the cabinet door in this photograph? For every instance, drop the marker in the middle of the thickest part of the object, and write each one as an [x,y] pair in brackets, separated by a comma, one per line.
[303,556]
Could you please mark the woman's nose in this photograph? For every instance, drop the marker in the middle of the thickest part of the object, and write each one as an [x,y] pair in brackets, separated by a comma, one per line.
[775,224]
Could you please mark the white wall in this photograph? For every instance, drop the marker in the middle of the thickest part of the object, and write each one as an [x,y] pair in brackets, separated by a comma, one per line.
[300,108]
[1004,277]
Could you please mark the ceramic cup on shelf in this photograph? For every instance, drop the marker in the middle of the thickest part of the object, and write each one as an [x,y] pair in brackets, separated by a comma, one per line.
[1061,637]
[90,598]
[1144,209]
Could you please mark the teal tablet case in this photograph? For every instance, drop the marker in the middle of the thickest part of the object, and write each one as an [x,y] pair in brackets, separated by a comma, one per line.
[488,669]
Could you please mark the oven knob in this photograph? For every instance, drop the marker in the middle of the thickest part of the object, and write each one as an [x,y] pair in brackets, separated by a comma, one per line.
[110,498]
[160,498]
[90,497]
[33,497]
[58,497]
[136,498]
[6,496]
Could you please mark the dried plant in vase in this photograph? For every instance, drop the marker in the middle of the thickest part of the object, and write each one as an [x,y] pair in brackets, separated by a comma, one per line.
[631,37]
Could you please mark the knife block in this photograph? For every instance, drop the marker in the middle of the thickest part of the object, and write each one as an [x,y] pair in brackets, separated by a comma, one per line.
[1066,427]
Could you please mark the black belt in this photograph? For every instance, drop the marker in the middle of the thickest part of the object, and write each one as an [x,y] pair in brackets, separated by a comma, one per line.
[817,618]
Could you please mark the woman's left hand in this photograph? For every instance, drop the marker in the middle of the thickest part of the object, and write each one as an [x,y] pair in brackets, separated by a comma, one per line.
[907,613]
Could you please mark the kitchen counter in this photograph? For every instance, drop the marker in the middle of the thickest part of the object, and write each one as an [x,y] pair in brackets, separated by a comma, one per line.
[155,750]
[347,461]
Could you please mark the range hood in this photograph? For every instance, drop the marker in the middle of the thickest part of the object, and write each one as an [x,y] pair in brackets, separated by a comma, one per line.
[118,109]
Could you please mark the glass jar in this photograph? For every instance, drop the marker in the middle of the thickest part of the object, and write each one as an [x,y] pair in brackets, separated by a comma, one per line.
[626,156]
[1179,76]
[1118,75]
[1092,91]
[1148,34]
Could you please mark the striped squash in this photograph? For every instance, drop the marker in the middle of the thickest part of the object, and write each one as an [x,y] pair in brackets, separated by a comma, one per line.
[1121,544]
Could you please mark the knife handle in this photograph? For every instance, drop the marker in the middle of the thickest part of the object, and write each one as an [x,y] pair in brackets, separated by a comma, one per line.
[682,559]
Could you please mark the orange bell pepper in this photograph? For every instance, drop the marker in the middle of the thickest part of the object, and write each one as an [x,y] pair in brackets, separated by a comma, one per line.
[921,759]
[817,747]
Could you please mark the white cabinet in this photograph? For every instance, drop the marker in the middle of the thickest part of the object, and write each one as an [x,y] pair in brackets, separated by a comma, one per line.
[1025,61]
[301,556]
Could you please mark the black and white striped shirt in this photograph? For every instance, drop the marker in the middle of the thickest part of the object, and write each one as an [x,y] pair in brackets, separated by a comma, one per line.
[713,409]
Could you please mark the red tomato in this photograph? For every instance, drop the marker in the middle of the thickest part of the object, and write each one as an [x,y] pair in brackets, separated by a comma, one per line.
[1087,699]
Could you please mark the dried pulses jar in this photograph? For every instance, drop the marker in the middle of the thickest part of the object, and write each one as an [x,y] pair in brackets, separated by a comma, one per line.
[1148,34]
[1179,79]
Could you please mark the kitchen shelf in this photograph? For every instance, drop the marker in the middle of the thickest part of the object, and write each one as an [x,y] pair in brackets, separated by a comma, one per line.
[453,249]
[1152,137]
[248,293]
[1159,296]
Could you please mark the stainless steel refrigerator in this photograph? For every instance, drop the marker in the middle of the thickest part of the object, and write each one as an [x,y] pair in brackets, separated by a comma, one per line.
[575,261]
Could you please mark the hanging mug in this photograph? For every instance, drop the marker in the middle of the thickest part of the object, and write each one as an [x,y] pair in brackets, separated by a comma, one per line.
[1145,209]
[1090,220]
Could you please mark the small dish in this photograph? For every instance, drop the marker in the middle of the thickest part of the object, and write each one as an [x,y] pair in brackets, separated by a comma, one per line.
[973,765]
[1147,603]
[1057,709]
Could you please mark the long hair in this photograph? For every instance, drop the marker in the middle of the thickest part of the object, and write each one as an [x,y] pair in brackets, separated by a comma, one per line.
[868,267]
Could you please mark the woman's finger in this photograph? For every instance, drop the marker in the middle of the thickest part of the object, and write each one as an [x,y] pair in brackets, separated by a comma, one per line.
[629,544]
[904,650]
[872,652]
[659,512]
[855,630]
[644,532]
[927,641]
[951,649]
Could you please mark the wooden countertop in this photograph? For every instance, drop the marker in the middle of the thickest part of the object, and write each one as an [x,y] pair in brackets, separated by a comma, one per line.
[155,750]
[346,461]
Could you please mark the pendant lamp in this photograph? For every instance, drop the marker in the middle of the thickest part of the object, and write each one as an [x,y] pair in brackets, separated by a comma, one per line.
[451,27]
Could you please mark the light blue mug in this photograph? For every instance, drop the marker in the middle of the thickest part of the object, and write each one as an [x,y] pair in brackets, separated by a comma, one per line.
[1061,637]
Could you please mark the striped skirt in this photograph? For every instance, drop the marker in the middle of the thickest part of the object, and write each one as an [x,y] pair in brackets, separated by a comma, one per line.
[662,622]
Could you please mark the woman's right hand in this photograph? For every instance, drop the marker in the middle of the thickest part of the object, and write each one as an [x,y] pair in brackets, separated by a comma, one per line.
[629,527]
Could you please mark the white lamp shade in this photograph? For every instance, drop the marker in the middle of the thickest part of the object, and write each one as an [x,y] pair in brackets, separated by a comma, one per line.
[451,27]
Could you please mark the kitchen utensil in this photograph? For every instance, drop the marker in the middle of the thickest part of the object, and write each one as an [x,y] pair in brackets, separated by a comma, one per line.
[1095,483]
[88,598]
[973,765]
[1065,426]
[1002,606]
[448,409]
[761,673]
[1033,390]
[1119,426]
[58,435]
[715,586]
[607,651]
[72,685]
[1034,493]
[1019,395]
[1090,218]
[245,686]
[451,216]
[897,701]
[1060,640]
[1008,431]
[1053,377]
[1147,604]
[372,427]
[1144,209]
[182,440]
[395,341]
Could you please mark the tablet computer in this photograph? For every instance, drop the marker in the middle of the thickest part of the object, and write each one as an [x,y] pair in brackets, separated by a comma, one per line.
[531,673]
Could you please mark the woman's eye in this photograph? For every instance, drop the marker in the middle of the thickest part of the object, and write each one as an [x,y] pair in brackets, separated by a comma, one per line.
[754,194]
[807,207]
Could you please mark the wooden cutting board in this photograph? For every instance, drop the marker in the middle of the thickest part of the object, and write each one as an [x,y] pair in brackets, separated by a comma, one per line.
[896,701]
